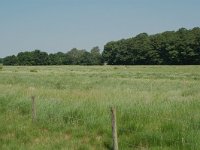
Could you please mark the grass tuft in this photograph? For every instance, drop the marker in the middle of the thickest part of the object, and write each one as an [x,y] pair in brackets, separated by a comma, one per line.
[33,70]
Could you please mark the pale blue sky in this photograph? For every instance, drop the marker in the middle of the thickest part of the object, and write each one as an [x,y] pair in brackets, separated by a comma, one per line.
[60,25]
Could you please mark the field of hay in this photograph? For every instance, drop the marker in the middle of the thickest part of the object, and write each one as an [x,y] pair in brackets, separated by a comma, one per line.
[158,107]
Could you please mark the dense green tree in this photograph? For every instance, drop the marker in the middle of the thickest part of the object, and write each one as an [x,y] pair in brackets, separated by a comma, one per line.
[57,58]
[33,58]
[180,47]
[139,49]
[40,58]
[96,58]
[25,58]
[78,57]
[10,60]
[109,53]
[73,57]
[196,44]
[86,58]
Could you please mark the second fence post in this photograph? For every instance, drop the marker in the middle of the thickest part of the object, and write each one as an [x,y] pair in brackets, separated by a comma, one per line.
[33,109]
[114,128]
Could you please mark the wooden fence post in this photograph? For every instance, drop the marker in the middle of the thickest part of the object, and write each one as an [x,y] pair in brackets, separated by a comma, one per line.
[33,109]
[114,128]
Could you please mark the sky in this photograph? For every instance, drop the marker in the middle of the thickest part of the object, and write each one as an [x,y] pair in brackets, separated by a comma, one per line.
[60,25]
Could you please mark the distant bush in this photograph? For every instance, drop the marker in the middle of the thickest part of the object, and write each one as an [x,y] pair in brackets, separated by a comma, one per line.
[33,70]
[1,67]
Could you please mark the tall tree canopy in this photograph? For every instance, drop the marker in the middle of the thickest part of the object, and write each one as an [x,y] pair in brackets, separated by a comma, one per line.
[180,47]
[10,60]
[73,57]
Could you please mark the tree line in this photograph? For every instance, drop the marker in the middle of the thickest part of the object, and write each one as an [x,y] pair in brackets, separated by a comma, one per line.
[168,48]
[180,47]
[73,57]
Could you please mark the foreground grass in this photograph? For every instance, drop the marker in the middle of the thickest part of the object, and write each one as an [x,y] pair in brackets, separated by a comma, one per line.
[158,107]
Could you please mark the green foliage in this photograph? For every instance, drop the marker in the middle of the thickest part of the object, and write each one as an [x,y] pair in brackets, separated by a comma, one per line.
[181,47]
[78,57]
[10,60]
[96,56]
[73,57]
[57,58]
[1,60]
[33,58]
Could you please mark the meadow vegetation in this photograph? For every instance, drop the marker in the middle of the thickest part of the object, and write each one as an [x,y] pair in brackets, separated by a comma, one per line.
[158,107]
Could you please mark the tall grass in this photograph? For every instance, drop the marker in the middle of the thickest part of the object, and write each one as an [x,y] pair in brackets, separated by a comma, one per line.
[157,107]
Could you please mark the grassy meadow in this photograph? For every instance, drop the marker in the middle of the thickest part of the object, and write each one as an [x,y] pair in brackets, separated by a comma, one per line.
[158,107]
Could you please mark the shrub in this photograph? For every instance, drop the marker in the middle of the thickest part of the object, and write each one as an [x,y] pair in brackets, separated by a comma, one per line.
[33,70]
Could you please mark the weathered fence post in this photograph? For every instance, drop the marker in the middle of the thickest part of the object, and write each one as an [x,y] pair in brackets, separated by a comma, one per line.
[33,109]
[114,128]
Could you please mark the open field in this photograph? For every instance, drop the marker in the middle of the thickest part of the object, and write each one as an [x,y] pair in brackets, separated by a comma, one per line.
[158,107]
